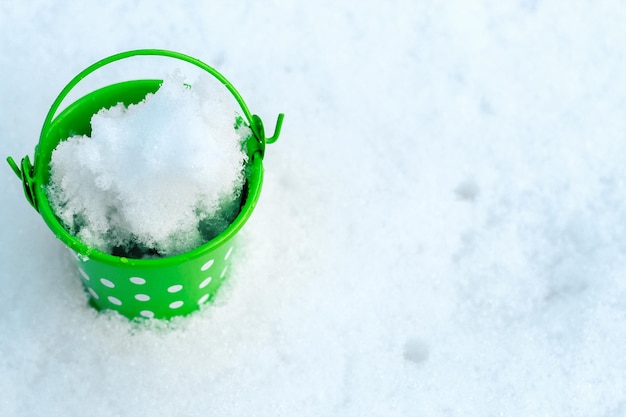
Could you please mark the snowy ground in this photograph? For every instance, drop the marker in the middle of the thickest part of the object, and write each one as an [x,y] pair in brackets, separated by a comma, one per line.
[441,231]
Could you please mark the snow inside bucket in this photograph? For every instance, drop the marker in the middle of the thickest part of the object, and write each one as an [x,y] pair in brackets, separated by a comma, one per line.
[156,178]
[148,183]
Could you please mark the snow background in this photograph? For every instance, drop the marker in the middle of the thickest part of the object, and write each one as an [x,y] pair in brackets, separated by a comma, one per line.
[441,229]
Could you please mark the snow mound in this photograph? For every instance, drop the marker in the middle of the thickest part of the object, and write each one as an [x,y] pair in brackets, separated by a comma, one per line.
[158,178]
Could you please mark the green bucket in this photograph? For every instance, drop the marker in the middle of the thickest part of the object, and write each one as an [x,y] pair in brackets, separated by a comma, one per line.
[150,288]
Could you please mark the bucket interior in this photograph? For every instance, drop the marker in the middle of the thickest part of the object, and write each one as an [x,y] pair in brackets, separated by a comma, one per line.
[76,120]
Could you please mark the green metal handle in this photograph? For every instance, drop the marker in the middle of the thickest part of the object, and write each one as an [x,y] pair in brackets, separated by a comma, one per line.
[25,172]
[256,125]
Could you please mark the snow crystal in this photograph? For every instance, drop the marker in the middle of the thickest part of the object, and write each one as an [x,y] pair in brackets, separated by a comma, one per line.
[155,179]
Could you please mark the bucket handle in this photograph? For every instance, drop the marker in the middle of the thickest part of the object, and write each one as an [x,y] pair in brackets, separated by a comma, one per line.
[25,172]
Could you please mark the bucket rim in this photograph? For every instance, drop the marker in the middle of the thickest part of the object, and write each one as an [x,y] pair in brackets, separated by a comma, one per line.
[251,193]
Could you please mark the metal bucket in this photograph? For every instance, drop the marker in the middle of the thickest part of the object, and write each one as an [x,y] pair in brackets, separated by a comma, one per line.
[150,288]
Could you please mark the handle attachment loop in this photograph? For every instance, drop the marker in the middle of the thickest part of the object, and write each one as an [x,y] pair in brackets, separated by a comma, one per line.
[26,174]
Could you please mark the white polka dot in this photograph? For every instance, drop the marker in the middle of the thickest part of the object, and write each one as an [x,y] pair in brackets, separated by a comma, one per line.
[224,271]
[176,304]
[114,300]
[142,297]
[205,282]
[203,298]
[137,280]
[107,283]
[84,274]
[207,265]
[147,313]
[228,253]
[93,293]
[175,288]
